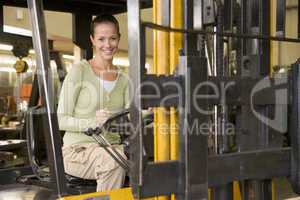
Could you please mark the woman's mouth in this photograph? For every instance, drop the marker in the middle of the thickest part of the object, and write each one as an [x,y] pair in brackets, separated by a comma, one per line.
[107,51]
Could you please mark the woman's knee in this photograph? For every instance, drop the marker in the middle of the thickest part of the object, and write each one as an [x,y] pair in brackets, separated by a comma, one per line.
[106,162]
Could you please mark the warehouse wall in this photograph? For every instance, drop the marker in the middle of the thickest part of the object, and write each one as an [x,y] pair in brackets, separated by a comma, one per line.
[286,53]
[290,52]
[59,26]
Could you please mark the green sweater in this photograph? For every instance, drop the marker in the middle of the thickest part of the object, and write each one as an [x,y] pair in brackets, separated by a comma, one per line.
[81,96]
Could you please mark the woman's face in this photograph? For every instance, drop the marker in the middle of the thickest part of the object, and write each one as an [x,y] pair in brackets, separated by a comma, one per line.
[105,40]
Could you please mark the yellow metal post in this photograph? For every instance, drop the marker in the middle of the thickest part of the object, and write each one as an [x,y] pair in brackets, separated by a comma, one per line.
[162,115]
[175,45]
[236,191]
[163,122]
[274,46]
[153,71]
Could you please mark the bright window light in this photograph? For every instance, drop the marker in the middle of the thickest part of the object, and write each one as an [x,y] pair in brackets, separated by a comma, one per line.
[17,30]
[7,69]
[65,56]
[11,69]
[31,51]
[147,66]
[121,61]
[7,60]
[70,57]
[6,47]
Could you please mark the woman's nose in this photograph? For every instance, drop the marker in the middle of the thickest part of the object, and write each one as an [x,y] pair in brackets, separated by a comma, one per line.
[107,43]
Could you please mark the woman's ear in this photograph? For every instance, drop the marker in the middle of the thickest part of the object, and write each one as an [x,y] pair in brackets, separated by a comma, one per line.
[92,39]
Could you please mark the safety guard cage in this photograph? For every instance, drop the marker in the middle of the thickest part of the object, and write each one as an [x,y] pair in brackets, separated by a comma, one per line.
[190,176]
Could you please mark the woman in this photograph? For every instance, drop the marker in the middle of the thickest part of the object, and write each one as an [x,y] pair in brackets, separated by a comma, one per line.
[91,91]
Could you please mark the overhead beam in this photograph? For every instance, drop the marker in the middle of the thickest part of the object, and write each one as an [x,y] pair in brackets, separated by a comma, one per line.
[80,6]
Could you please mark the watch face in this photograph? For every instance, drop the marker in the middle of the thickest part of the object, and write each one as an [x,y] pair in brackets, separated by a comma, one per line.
[21,66]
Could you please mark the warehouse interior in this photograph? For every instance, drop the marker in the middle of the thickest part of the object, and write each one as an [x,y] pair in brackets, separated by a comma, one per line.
[213,89]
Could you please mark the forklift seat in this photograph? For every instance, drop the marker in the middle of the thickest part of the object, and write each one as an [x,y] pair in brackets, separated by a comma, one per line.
[37,154]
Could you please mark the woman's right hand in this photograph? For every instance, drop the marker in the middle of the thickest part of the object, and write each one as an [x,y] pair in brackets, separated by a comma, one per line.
[102,115]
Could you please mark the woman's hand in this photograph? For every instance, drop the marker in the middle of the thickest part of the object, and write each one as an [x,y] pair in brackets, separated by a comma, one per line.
[102,115]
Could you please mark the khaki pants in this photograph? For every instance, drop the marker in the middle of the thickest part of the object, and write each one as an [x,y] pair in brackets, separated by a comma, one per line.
[90,161]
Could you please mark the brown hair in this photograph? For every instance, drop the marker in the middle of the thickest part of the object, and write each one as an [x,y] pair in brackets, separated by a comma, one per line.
[104,18]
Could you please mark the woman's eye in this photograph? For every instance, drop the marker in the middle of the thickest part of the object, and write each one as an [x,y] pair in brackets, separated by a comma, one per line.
[101,39]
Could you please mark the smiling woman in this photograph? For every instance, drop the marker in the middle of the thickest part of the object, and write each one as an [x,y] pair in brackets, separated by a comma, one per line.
[92,91]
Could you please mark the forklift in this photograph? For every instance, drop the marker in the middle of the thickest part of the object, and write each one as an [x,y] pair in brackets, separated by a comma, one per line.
[207,96]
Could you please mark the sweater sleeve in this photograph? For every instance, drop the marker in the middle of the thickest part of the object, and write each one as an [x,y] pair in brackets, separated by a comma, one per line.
[67,102]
